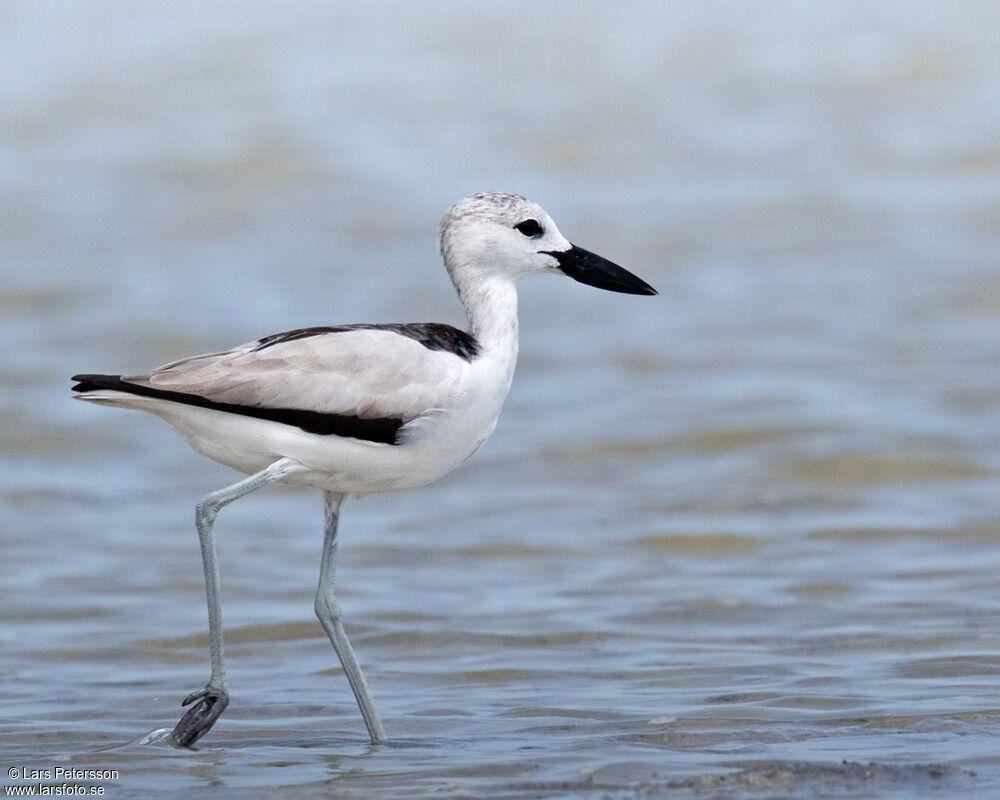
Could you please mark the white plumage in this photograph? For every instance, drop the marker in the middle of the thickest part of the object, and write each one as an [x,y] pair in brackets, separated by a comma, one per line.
[367,373]
[359,409]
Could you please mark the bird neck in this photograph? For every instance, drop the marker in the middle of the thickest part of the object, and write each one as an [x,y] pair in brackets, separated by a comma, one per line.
[491,305]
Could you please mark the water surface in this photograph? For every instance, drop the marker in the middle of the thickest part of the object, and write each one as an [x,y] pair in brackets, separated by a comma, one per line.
[723,540]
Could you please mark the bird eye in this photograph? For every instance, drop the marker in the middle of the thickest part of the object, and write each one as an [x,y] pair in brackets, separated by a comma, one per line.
[530,228]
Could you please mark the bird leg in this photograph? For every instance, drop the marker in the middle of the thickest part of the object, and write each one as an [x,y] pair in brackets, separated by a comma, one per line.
[208,704]
[328,611]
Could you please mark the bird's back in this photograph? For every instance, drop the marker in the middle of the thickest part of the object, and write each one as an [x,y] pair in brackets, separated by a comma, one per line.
[364,407]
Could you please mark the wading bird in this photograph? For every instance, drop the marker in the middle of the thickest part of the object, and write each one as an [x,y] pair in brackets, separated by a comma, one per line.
[358,409]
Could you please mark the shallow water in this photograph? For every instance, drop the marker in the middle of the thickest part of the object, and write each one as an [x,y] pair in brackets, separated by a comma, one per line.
[742,539]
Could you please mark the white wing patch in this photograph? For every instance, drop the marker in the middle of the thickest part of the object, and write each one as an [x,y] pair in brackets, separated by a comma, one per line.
[368,373]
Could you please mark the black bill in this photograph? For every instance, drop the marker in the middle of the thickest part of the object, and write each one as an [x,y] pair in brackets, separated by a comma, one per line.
[589,268]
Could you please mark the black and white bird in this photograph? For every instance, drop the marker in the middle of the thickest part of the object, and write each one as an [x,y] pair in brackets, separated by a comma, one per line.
[358,409]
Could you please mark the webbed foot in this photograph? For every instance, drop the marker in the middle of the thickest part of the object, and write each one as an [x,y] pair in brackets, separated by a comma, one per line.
[209,703]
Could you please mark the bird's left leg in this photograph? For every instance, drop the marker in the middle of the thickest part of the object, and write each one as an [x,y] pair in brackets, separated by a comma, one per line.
[210,702]
[328,611]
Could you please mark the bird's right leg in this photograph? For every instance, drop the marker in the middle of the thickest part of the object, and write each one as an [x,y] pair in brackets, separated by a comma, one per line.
[208,704]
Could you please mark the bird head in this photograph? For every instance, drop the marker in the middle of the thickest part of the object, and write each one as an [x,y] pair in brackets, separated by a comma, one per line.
[497,234]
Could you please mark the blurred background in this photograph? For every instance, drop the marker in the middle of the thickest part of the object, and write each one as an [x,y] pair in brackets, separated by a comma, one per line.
[725,538]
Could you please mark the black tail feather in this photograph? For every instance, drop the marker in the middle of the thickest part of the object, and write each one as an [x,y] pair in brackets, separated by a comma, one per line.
[90,383]
[372,429]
